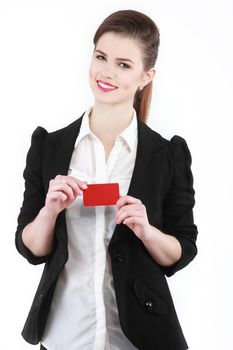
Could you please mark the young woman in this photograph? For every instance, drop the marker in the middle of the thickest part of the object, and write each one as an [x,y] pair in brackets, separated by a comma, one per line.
[103,284]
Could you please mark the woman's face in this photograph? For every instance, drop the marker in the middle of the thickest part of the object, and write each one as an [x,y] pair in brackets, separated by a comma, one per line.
[116,69]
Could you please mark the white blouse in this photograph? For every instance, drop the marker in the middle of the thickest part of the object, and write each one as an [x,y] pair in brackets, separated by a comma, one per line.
[84,314]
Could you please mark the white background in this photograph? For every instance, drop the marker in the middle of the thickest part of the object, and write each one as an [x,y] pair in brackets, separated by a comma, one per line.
[45,51]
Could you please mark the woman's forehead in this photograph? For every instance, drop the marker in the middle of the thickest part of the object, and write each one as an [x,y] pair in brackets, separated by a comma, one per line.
[117,45]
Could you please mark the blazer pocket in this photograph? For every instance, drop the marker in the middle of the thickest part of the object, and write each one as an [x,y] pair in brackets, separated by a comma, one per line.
[150,300]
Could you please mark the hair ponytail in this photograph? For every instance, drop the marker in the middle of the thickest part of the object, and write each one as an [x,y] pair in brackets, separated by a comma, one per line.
[142,101]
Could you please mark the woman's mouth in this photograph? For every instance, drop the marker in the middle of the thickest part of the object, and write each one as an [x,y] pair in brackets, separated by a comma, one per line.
[106,87]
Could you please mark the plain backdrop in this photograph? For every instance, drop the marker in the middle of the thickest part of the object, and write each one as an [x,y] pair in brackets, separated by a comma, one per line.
[45,51]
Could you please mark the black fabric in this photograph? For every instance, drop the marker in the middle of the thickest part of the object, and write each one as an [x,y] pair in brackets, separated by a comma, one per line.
[42,347]
[163,181]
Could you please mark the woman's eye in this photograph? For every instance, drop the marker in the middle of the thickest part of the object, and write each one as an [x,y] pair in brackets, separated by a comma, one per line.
[124,65]
[100,57]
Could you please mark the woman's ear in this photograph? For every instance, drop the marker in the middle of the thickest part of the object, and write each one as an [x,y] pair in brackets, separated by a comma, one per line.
[148,76]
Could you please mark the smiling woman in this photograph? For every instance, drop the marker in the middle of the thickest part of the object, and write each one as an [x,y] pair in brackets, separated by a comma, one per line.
[104,284]
[109,71]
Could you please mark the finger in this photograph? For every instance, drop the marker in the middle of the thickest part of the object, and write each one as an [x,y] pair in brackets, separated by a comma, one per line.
[134,220]
[71,193]
[73,182]
[57,196]
[127,200]
[80,183]
[58,178]
[136,206]
[128,214]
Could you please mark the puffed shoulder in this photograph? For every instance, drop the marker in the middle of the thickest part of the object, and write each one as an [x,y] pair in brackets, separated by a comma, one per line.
[39,131]
[38,139]
[180,151]
[177,139]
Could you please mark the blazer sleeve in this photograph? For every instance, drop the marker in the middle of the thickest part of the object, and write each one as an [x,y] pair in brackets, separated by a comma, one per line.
[34,195]
[178,205]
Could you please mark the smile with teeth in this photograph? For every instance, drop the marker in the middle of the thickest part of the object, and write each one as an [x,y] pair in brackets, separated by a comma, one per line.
[105,87]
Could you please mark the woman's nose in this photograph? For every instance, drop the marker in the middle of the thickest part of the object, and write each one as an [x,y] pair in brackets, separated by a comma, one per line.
[108,72]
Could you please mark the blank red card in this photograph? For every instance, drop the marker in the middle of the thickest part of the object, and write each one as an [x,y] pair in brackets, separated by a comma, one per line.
[101,194]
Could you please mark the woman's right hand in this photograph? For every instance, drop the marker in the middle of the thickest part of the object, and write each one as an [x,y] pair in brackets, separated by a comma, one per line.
[61,193]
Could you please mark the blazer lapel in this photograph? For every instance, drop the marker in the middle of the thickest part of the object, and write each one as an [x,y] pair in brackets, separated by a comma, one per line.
[140,184]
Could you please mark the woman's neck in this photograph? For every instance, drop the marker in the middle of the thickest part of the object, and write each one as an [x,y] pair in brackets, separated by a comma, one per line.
[109,119]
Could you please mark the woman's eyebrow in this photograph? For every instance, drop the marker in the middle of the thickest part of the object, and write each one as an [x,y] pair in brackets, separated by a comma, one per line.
[118,59]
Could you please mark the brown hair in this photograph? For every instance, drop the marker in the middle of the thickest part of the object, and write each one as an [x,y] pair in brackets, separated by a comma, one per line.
[135,25]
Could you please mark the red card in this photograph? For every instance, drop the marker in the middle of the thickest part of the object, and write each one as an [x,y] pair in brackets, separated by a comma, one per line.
[101,194]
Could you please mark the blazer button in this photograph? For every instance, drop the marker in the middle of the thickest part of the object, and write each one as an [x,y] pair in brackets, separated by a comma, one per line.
[118,258]
[148,304]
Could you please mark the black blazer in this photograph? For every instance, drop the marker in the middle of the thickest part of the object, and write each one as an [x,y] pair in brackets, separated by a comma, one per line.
[163,181]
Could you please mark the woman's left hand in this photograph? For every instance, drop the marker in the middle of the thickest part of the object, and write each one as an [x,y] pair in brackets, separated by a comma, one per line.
[132,212]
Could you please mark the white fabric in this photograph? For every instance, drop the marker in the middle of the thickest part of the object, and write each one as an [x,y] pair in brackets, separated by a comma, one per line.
[83,314]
